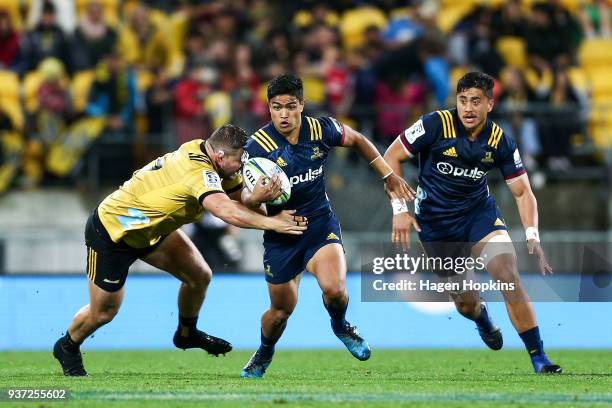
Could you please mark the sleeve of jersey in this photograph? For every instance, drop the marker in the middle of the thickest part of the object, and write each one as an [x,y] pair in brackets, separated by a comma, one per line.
[232,184]
[202,183]
[510,163]
[333,131]
[420,135]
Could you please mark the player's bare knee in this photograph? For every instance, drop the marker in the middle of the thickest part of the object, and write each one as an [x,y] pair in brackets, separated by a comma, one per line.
[280,316]
[199,278]
[102,317]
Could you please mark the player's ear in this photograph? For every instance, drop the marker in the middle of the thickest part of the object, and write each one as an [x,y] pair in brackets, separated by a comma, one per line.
[490,104]
[301,105]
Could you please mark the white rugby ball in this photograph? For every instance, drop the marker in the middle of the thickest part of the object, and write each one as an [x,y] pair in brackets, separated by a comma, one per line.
[257,167]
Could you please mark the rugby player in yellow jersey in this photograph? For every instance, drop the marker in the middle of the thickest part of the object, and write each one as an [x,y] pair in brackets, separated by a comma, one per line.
[141,220]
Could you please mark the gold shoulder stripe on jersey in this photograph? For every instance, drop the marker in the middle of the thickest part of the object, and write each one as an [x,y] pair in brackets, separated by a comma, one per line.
[450,152]
[89,263]
[451,124]
[319,130]
[496,134]
[262,142]
[268,139]
[443,122]
[315,128]
[311,127]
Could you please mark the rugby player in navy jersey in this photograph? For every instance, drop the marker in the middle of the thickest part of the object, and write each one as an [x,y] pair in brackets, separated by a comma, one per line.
[455,149]
[300,145]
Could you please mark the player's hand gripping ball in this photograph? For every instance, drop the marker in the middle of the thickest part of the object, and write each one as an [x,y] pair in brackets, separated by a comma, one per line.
[257,167]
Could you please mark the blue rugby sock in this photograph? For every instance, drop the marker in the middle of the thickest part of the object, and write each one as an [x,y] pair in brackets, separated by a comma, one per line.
[533,342]
[483,320]
[266,348]
[337,315]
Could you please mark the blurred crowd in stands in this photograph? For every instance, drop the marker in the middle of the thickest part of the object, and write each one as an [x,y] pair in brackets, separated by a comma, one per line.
[150,75]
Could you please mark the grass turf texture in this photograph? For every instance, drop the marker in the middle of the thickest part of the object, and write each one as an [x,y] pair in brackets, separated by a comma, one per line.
[391,378]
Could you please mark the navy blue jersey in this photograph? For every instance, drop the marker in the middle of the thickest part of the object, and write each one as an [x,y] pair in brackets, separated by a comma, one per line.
[453,169]
[303,162]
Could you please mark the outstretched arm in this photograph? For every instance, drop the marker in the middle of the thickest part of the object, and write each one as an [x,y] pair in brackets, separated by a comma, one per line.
[528,210]
[395,186]
[233,212]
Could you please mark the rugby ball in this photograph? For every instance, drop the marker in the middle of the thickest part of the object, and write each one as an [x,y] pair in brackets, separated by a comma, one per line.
[257,167]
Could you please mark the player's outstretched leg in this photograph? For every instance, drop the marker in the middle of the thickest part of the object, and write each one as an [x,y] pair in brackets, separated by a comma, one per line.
[68,353]
[187,336]
[102,308]
[502,266]
[283,298]
[177,255]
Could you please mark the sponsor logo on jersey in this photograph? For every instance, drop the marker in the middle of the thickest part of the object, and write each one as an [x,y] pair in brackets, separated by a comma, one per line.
[488,158]
[316,153]
[449,169]
[415,131]
[212,180]
[281,162]
[517,159]
[450,152]
[304,177]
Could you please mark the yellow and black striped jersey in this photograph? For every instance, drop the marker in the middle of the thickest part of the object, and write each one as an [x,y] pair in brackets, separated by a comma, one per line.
[162,196]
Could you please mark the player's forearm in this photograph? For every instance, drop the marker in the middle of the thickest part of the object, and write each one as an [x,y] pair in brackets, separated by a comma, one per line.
[246,198]
[368,151]
[394,158]
[237,214]
[528,209]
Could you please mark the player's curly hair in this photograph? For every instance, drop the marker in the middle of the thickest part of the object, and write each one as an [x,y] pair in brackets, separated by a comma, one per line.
[228,137]
[286,84]
[478,80]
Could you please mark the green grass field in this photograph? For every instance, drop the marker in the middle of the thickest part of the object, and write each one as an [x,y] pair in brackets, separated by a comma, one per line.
[415,378]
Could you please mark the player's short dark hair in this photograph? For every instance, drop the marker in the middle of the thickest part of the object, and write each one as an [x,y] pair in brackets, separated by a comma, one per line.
[286,84]
[478,80]
[228,137]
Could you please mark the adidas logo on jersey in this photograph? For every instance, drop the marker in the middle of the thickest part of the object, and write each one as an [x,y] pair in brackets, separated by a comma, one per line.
[499,223]
[332,236]
[304,177]
[450,152]
[281,162]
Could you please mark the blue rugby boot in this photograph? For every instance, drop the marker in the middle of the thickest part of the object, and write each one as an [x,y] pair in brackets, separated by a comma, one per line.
[489,332]
[259,362]
[542,365]
[357,345]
